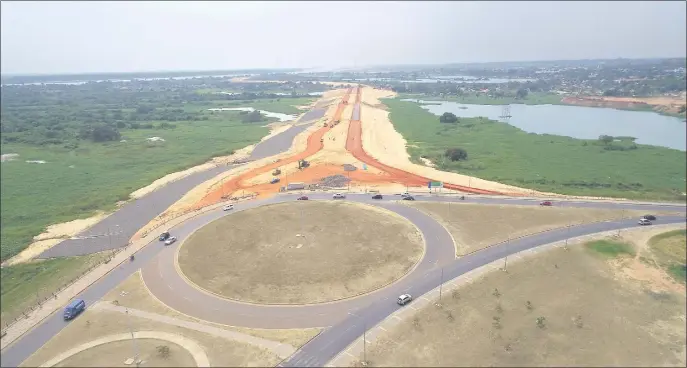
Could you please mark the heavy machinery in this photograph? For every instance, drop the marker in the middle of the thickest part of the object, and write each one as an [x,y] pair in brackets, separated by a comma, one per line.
[302,164]
[276,172]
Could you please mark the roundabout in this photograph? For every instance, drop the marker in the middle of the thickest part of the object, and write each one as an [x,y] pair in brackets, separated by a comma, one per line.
[301,252]
[164,278]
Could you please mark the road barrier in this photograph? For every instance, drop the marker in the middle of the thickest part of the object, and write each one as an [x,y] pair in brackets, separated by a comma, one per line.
[53,295]
[40,300]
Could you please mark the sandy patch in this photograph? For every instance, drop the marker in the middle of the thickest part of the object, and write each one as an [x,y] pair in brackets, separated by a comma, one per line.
[8,157]
[132,293]
[115,353]
[586,318]
[427,162]
[96,323]
[476,226]
[53,235]
[661,104]
[310,252]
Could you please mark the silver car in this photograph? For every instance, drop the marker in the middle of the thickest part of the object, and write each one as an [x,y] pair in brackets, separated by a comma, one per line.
[170,240]
[404,299]
[339,196]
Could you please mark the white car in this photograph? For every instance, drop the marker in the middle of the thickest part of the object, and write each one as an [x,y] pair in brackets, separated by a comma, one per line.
[228,207]
[406,194]
[404,299]
[339,196]
[644,221]
[171,240]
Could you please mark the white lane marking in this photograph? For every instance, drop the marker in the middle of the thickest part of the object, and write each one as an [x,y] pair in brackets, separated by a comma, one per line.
[426,299]
[413,307]
[353,356]
[384,329]
[397,317]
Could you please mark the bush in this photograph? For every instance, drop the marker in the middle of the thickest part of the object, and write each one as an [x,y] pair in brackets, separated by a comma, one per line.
[448,118]
[456,154]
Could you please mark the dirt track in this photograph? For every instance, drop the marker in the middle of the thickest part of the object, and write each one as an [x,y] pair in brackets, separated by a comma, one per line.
[314,145]
[355,146]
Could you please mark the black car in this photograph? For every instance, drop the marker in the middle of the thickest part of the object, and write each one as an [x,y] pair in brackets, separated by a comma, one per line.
[408,198]
[377,196]
[649,217]
[164,236]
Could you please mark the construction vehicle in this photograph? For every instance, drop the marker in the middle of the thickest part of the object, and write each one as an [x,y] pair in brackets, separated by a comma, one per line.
[276,172]
[302,164]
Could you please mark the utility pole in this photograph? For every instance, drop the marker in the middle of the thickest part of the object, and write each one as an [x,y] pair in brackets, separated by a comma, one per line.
[441,284]
[133,340]
[364,338]
[505,260]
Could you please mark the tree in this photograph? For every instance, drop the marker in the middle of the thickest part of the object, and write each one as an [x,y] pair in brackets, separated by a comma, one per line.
[448,118]
[521,93]
[605,139]
[252,117]
[456,154]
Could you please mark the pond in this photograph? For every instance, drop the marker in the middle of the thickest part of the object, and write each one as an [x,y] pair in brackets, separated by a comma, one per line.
[269,114]
[576,121]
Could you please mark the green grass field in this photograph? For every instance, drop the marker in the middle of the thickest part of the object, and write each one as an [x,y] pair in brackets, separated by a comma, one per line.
[25,284]
[500,152]
[669,250]
[75,183]
[611,249]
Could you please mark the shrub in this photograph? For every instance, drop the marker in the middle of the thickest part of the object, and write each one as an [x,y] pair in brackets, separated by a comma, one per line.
[456,154]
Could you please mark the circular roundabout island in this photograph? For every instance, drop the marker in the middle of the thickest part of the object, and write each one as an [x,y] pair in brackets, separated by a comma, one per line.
[301,252]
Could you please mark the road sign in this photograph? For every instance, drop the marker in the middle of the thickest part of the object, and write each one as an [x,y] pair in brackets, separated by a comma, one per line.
[435,184]
[364,166]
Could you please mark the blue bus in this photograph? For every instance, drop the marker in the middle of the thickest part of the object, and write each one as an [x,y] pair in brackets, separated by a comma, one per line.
[74,308]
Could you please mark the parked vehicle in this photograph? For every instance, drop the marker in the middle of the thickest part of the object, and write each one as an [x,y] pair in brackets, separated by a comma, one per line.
[644,221]
[164,236]
[404,299]
[377,196]
[73,309]
[171,240]
[295,186]
[649,217]
[131,258]
[302,198]
[275,181]
[228,207]
[339,196]
[408,198]
[546,203]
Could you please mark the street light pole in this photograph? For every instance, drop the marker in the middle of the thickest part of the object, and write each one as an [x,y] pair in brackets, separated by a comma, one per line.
[364,338]
[133,340]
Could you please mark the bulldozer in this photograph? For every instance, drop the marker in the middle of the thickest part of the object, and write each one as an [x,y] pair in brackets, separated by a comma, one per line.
[276,172]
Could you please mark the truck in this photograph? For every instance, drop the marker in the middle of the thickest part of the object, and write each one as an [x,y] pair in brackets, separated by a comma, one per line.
[295,186]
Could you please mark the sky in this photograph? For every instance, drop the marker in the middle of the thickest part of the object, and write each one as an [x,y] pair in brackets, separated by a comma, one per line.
[89,37]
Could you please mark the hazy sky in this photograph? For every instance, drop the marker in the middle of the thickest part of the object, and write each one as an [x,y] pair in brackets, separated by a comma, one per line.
[72,37]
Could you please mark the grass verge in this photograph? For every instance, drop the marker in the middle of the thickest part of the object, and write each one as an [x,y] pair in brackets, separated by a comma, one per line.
[610,248]
[500,152]
[669,249]
[23,285]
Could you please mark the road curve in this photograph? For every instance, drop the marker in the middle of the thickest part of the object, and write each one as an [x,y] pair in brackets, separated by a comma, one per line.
[131,217]
[162,278]
[347,328]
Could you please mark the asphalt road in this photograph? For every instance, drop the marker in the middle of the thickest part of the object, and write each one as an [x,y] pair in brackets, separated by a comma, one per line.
[344,327]
[126,221]
[163,280]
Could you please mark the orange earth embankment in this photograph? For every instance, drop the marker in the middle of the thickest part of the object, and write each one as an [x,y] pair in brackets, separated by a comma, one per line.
[314,145]
[354,145]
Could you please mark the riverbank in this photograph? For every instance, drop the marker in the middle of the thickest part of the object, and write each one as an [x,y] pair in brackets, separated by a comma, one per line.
[660,105]
[500,152]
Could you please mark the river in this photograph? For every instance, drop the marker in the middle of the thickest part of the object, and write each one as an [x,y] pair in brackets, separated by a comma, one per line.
[576,121]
